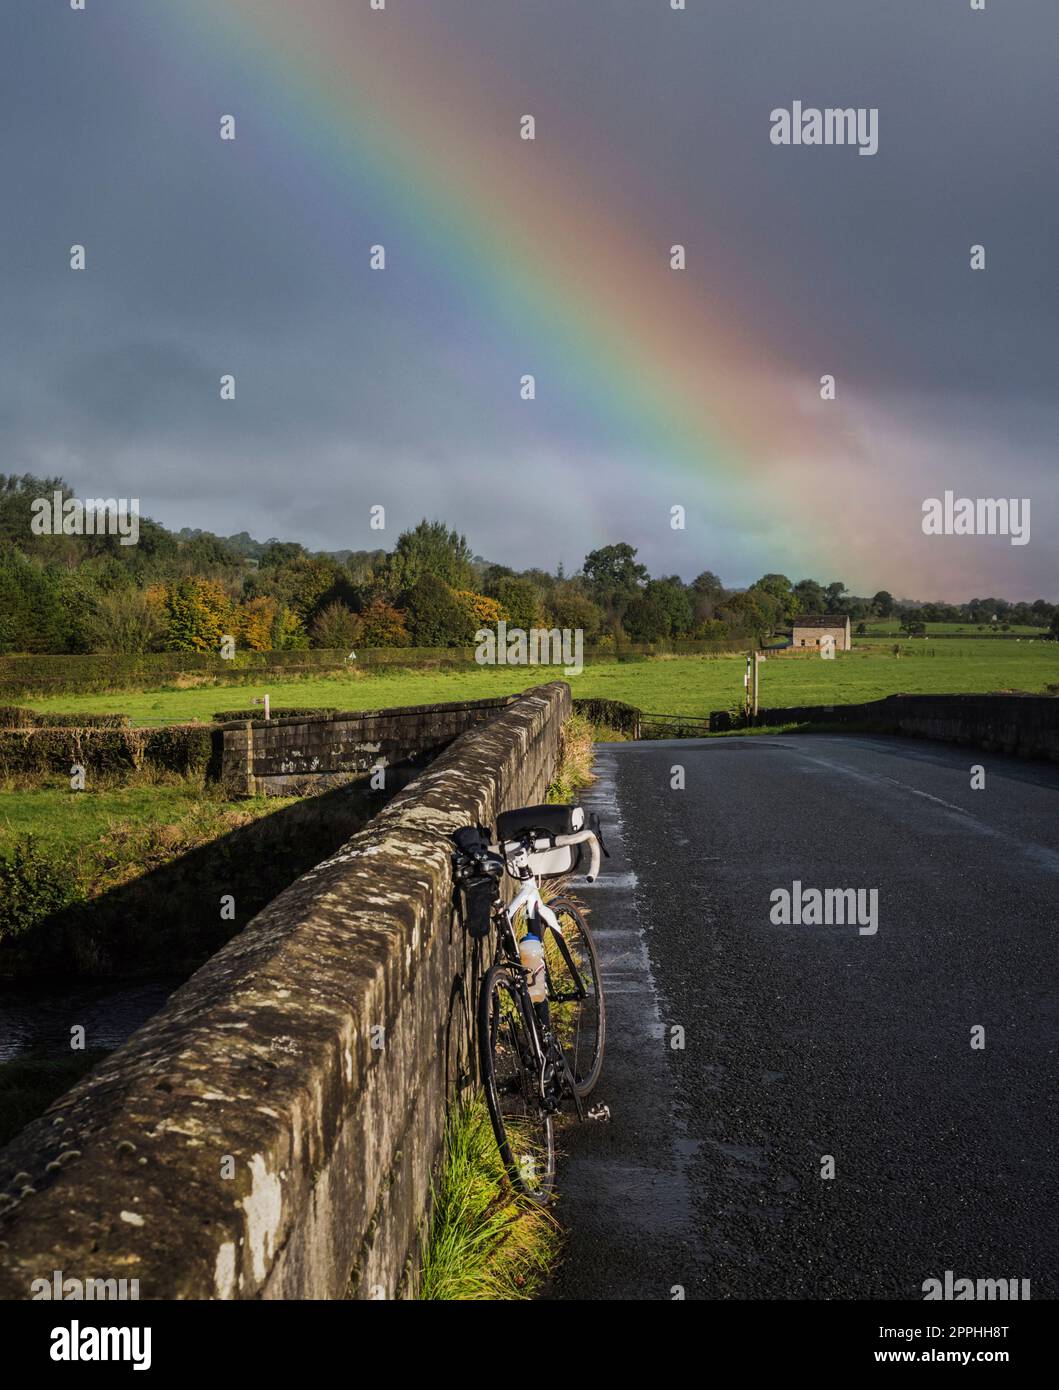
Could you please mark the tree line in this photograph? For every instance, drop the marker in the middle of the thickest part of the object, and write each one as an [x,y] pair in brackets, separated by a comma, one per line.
[187,591]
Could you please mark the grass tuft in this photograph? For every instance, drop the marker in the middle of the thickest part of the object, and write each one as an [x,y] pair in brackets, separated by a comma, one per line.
[575,759]
[486,1242]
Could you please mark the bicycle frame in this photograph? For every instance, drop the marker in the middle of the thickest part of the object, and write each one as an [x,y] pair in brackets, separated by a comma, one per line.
[529,898]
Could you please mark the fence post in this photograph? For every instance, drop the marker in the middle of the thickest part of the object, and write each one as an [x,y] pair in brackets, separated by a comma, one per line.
[757,659]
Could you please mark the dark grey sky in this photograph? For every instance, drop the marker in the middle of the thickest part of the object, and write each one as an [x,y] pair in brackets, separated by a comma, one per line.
[354,388]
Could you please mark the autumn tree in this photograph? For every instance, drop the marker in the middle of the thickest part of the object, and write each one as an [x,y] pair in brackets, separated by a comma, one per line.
[382,625]
[336,627]
[199,614]
[482,610]
[255,619]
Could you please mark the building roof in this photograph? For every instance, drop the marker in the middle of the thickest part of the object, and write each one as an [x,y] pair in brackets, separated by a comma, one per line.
[821,620]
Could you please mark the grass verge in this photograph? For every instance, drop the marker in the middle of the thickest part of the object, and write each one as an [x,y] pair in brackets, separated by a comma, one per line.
[485,1243]
[575,759]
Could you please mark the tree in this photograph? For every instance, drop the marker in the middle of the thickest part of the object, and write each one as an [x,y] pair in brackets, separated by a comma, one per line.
[382,625]
[492,575]
[883,604]
[308,582]
[255,620]
[568,608]
[809,596]
[277,553]
[436,618]
[30,619]
[336,626]
[708,594]
[366,568]
[613,575]
[780,590]
[749,613]
[708,585]
[482,611]
[646,618]
[430,549]
[675,602]
[835,596]
[199,614]
[126,621]
[288,632]
[1043,612]
[78,595]
[520,599]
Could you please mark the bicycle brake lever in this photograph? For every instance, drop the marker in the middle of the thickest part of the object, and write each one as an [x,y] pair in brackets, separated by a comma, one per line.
[597,830]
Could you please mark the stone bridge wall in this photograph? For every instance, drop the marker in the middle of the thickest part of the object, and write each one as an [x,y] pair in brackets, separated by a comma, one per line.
[284,757]
[1026,725]
[311,1058]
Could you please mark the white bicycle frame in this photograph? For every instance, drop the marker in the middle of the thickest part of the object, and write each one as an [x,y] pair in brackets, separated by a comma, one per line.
[529,895]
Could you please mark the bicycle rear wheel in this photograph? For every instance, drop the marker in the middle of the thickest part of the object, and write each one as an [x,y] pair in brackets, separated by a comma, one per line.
[575,995]
[524,1130]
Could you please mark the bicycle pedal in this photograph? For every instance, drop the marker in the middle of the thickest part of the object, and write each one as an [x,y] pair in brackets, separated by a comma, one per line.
[599,1113]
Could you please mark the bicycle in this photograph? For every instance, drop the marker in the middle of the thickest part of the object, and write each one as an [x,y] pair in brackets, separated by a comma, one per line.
[541,1016]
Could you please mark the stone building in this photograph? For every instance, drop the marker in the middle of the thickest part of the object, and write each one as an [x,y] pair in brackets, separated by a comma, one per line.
[810,628]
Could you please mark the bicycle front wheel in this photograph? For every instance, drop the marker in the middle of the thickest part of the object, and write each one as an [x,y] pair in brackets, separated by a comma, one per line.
[575,995]
[510,1075]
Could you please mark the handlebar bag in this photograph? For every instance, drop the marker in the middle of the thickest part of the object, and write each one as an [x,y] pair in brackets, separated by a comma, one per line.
[545,822]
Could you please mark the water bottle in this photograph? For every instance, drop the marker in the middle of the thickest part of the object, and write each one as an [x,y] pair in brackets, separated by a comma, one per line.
[531,954]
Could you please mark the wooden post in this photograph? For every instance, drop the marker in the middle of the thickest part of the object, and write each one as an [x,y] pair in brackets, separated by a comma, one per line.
[757,659]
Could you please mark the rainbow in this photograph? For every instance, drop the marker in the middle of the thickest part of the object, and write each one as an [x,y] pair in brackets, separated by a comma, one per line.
[525,240]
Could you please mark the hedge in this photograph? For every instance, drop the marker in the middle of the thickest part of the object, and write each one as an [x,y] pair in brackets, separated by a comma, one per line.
[180,748]
[52,674]
[18,717]
[224,716]
[613,714]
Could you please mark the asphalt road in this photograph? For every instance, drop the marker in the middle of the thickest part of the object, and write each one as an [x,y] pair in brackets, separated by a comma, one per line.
[806,1041]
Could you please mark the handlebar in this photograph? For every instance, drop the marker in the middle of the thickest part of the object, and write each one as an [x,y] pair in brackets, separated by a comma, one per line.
[578,837]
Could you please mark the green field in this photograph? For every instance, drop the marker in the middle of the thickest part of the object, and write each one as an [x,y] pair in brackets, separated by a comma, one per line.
[92,828]
[891,627]
[667,685]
